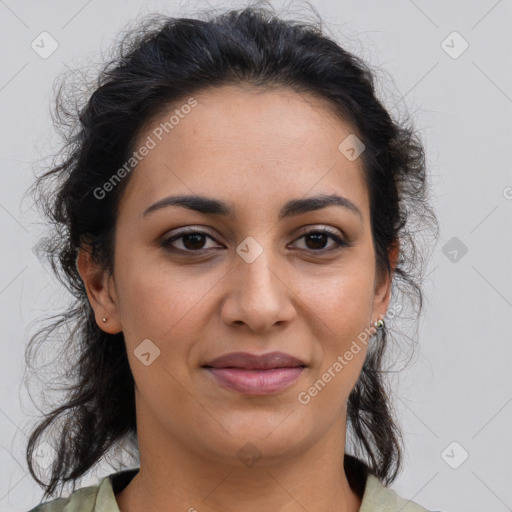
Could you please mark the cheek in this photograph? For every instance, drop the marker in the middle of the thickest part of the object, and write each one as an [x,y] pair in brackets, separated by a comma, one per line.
[343,305]
[343,301]
[163,307]
[153,299]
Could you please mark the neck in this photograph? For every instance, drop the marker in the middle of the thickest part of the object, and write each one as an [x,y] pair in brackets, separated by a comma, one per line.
[310,479]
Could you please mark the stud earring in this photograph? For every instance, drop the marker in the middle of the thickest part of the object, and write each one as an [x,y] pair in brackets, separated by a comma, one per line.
[379,324]
[104,319]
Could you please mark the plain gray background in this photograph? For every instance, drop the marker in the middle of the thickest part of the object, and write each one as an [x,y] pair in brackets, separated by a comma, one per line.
[459,387]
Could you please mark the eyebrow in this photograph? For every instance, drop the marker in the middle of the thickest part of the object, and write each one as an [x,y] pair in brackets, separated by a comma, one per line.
[211,206]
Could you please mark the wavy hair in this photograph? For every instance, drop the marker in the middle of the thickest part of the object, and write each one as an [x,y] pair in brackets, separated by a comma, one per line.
[158,63]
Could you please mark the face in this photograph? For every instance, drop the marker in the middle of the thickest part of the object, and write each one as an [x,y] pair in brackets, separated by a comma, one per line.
[257,278]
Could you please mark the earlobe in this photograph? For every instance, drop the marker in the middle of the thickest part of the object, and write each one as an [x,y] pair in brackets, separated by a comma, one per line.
[98,285]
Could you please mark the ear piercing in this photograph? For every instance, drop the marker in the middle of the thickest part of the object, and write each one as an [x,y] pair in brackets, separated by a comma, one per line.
[379,324]
[104,319]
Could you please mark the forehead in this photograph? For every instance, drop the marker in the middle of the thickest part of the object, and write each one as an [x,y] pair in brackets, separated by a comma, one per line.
[246,143]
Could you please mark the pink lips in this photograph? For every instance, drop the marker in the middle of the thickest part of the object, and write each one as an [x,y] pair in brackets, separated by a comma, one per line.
[256,375]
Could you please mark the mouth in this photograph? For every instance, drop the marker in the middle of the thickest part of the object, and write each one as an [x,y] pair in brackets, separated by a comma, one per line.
[256,375]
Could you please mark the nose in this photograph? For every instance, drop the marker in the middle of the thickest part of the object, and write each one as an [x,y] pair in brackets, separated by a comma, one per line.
[260,295]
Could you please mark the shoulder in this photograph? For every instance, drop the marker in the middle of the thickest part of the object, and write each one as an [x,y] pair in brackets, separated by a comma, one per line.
[81,500]
[100,496]
[379,498]
[375,496]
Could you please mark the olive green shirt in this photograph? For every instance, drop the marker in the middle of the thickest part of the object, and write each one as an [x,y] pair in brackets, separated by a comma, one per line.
[100,497]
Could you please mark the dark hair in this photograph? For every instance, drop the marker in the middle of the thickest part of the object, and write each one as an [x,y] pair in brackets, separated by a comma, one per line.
[156,65]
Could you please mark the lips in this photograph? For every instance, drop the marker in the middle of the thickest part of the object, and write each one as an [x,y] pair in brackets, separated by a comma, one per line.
[251,374]
[247,361]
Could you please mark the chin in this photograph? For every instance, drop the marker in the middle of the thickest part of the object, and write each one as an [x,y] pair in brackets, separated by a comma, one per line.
[256,438]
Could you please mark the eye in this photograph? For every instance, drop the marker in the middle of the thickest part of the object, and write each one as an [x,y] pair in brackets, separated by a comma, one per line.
[191,241]
[316,239]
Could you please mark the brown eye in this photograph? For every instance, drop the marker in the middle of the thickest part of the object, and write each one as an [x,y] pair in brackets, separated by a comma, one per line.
[317,240]
[194,241]
[190,241]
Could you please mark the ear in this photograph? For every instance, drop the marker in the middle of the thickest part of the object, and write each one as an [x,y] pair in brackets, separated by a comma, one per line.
[100,292]
[383,284]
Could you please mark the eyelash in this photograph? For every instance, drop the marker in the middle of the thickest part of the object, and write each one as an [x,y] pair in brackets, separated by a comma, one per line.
[339,242]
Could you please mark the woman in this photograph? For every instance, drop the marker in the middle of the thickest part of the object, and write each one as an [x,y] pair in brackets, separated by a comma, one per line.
[233,217]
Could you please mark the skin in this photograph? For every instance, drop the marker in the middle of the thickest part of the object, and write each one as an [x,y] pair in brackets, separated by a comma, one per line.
[257,149]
